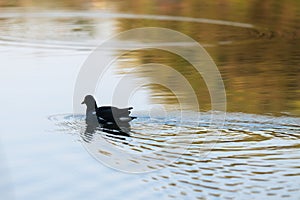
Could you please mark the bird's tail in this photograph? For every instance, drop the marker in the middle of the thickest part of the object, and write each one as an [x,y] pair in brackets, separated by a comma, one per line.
[126,119]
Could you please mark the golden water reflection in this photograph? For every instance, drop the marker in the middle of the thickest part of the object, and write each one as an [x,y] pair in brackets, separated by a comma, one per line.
[259,62]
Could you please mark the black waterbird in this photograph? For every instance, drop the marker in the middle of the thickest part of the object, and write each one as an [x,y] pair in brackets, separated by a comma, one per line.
[111,119]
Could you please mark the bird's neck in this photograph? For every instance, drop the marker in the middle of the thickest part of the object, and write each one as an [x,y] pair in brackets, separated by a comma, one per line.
[91,107]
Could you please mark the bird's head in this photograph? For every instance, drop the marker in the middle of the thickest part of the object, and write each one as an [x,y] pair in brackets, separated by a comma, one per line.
[89,100]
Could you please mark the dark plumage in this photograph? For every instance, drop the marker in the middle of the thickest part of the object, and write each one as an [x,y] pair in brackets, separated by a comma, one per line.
[106,114]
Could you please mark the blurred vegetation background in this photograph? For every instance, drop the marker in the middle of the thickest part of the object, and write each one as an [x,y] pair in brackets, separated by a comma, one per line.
[260,65]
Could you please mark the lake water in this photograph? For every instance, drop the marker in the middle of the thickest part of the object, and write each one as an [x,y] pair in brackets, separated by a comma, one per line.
[177,150]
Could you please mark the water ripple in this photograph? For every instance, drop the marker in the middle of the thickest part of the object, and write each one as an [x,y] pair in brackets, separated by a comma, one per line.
[248,158]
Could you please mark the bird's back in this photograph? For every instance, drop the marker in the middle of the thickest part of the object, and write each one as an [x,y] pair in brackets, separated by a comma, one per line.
[110,113]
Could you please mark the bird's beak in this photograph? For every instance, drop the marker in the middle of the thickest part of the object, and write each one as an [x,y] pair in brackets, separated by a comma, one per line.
[83,102]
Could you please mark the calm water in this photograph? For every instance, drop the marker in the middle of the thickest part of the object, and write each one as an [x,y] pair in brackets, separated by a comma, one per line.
[255,154]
